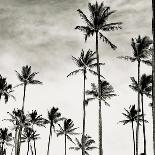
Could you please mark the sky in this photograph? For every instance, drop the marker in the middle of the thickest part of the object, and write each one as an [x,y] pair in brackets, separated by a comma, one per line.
[41,33]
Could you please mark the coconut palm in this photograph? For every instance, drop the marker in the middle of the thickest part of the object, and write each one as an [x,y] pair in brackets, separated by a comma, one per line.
[37,120]
[88,142]
[96,25]
[5,89]
[27,77]
[54,116]
[67,130]
[86,62]
[107,91]
[131,117]
[29,134]
[5,139]
[144,88]
[141,53]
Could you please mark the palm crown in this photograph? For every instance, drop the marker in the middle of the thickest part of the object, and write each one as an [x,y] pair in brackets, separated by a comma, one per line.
[88,141]
[97,22]
[141,50]
[145,85]
[36,119]
[5,89]
[107,91]
[67,129]
[131,115]
[85,62]
[27,76]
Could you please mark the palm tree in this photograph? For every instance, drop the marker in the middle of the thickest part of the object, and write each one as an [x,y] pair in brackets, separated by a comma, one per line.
[67,130]
[153,70]
[5,89]
[29,134]
[19,120]
[97,24]
[131,117]
[84,63]
[107,91]
[88,141]
[5,138]
[141,53]
[54,116]
[27,77]
[37,120]
[144,88]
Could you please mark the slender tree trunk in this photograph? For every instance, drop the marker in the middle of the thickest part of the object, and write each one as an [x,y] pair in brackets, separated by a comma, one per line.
[34,145]
[153,71]
[99,93]
[15,140]
[137,129]
[143,124]
[49,140]
[133,135]
[28,147]
[84,113]
[65,144]
[23,106]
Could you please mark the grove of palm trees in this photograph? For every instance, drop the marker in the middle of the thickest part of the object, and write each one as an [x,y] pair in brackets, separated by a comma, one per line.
[77,77]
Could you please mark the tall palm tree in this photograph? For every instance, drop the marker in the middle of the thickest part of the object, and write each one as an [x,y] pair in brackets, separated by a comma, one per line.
[86,62]
[153,70]
[54,116]
[107,91]
[88,142]
[37,120]
[67,130]
[5,89]
[144,88]
[29,134]
[141,53]
[27,77]
[5,138]
[96,25]
[131,117]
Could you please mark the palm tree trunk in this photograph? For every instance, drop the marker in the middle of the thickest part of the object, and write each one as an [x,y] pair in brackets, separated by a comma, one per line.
[20,129]
[15,140]
[143,124]
[34,145]
[49,140]
[153,71]
[28,147]
[99,95]
[133,135]
[137,129]
[24,97]
[84,113]
[65,143]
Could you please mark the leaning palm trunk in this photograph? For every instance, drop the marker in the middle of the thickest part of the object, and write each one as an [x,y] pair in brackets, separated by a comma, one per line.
[49,140]
[144,134]
[84,114]
[133,135]
[153,71]
[99,95]
[137,128]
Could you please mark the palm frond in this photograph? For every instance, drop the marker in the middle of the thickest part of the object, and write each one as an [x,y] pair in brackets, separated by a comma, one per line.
[106,40]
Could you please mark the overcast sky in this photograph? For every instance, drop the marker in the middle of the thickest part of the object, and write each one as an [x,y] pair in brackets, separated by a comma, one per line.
[41,33]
